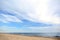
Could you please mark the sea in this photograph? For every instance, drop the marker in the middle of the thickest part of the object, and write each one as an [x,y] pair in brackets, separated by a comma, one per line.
[39,34]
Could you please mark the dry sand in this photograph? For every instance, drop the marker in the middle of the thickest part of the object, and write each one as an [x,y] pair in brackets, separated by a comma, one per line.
[20,37]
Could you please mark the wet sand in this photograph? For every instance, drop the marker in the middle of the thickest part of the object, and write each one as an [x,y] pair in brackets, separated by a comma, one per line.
[21,37]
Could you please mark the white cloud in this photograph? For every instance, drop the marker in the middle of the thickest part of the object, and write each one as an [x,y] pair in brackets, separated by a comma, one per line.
[48,29]
[10,29]
[35,10]
[8,18]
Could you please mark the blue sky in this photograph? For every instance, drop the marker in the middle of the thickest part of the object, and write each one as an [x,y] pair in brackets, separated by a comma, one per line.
[30,16]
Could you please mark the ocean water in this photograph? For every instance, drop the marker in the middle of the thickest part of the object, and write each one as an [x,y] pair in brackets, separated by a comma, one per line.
[39,34]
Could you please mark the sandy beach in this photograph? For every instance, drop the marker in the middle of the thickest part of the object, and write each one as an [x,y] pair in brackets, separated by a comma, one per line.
[21,37]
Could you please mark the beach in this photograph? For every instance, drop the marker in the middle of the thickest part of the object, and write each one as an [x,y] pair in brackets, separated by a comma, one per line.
[21,37]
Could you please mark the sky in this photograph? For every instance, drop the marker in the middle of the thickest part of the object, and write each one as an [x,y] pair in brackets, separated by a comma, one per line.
[33,16]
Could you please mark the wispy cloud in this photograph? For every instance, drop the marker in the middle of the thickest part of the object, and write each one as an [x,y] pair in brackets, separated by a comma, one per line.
[10,29]
[48,29]
[35,10]
[8,18]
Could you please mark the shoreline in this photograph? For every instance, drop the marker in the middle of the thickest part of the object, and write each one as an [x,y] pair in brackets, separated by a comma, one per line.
[22,37]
